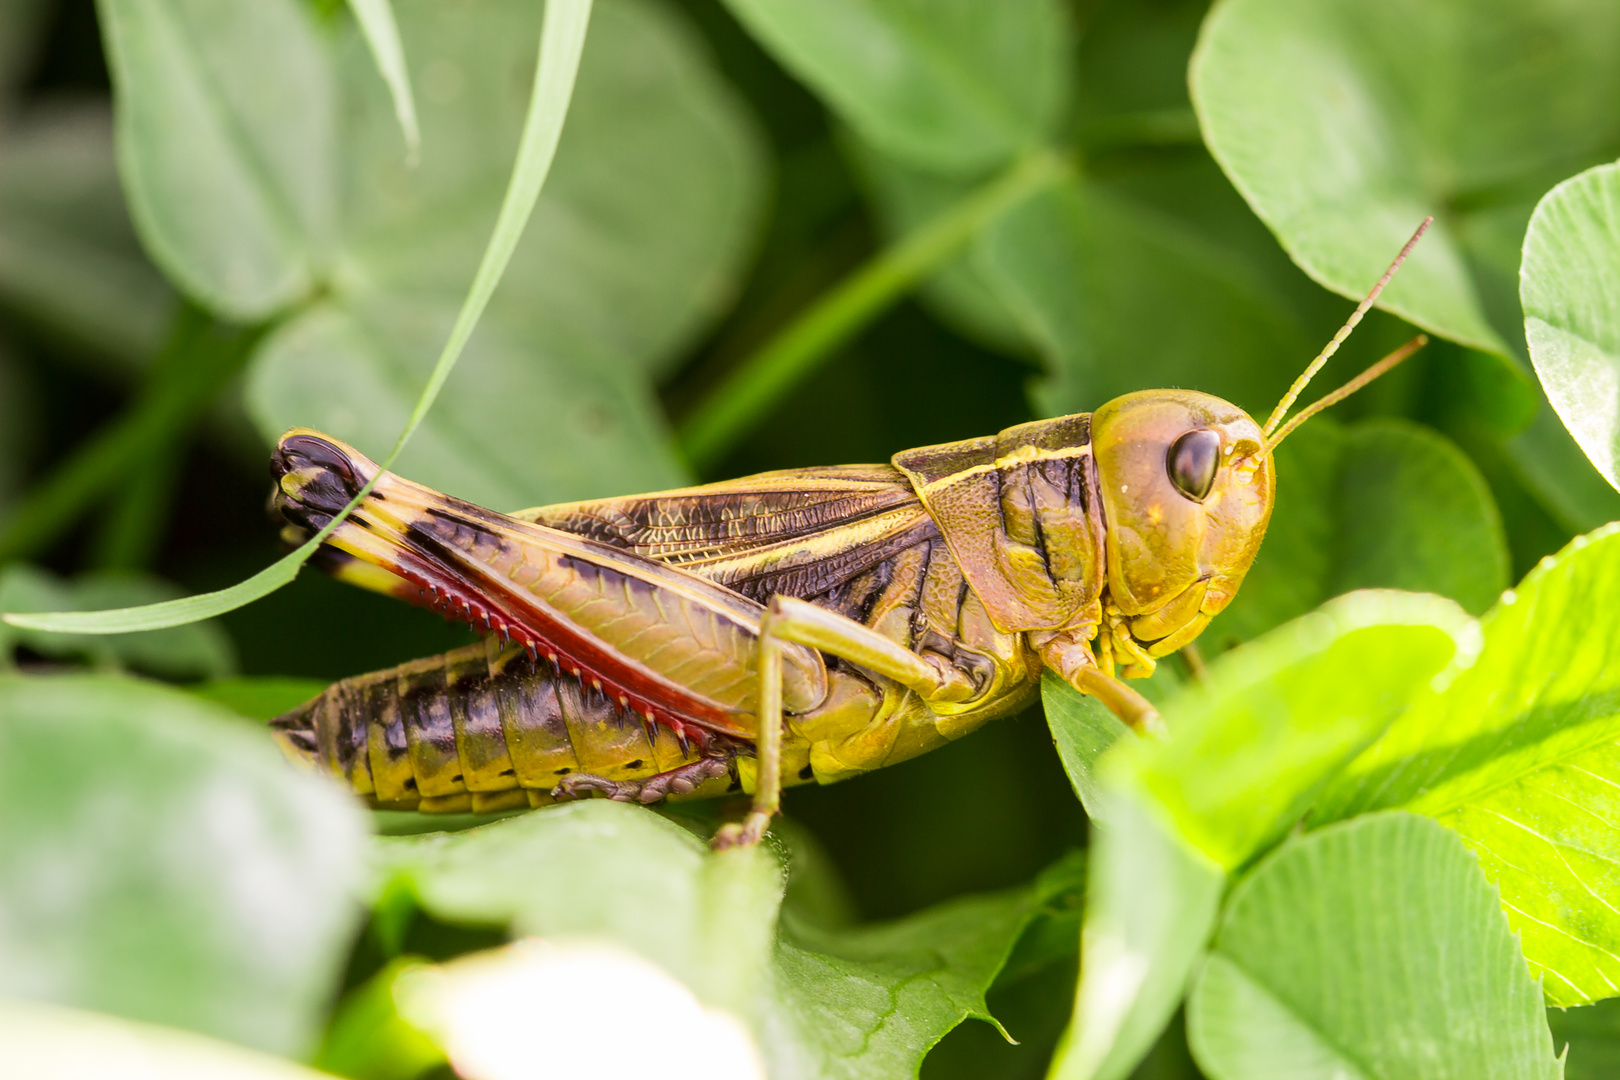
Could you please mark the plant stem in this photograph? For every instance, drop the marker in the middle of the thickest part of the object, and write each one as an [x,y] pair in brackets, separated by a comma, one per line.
[200,358]
[744,398]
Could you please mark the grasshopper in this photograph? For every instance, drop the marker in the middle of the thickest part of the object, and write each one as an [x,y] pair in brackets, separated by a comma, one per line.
[795,626]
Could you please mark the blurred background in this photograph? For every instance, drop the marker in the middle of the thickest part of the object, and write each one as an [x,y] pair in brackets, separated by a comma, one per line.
[715,185]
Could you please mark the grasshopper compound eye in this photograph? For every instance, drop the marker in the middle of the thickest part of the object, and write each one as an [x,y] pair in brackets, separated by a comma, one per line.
[1192,462]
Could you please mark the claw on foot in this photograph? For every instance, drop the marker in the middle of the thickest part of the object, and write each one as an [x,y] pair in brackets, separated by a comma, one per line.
[681,781]
[746,833]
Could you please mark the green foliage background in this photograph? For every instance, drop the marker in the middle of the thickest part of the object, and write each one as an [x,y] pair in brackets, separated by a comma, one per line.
[795,232]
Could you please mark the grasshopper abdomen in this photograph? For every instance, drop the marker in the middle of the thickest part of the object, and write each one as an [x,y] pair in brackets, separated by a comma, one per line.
[482,728]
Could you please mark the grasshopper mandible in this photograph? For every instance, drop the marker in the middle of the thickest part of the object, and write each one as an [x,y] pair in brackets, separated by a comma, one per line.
[809,624]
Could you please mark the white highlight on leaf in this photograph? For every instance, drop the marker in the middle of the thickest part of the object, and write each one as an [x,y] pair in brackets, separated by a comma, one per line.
[537,1008]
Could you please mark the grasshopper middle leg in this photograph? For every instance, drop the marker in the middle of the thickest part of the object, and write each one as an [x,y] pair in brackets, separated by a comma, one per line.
[789,620]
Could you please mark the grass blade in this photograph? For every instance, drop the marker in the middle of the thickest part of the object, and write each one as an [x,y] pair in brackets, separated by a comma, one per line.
[376,19]
[562,40]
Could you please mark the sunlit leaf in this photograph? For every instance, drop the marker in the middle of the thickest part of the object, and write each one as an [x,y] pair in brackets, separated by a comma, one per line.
[227,128]
[1344,124]
[1379,504]
[952,87]
[47,1042]
[1518,756]
[1150,904]
[161,862]
[1254,742]
[1570,289]
[1372,950]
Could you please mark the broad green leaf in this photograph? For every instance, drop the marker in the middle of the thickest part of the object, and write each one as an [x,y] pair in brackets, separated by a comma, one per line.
[159,862]
[1382,503]
[1570,288]
[1343,124]
[607,870]
[69,260]
[1083,730]
[1094,282]
[196,651]
[47,1042]
[560,46]
[634,246]
[877,996]
[950,87]
[1373,950]
[1150,904]
[227,131]
[1592,1034]
[1253,743]
[1518,756]
[871,1001]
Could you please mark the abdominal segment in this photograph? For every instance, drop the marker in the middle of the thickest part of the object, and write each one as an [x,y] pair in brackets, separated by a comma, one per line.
[481,729]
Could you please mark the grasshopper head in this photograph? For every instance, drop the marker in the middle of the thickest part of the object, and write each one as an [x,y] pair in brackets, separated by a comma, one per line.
[1187,483]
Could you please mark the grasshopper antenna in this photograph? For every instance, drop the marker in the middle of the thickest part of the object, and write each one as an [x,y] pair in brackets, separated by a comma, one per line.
[1300,383]
[1348,388]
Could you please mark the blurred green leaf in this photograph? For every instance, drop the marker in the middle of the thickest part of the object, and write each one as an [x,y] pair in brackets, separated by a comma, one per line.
[1383,503]
[1343,125]
[19,429]
[259,698]
[634,246]
[1151,901]
[227,131]
[1570,289]
[605,869]
[20,24]
[860,1002]
[1592,1034]
[46,1042]
[160,862]
[368,1039]
[195,651]
[1092,281]
[1374,949]
[948,87]
[69,261]
[1518,756]
[1256,740]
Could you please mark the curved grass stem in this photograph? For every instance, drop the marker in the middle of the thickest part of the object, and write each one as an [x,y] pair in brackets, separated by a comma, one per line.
[742,401]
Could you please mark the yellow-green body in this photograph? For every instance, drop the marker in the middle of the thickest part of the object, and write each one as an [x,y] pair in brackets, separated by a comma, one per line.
[917,601]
